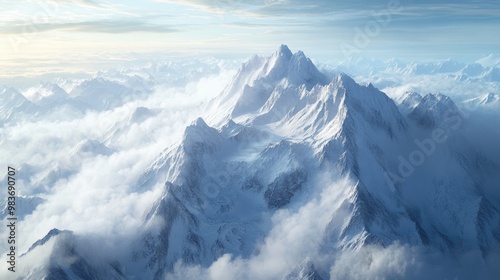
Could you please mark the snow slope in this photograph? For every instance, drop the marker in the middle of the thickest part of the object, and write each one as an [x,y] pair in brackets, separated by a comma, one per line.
[283,139]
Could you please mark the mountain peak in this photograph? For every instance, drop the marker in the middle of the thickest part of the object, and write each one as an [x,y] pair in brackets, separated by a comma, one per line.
[296,68]
[52,233]
[489,98]
[344,79]
[258,78]
[283,50]
[489,60]
[199,122]
[430,112]
[408,101]
[199,137]
[45,90]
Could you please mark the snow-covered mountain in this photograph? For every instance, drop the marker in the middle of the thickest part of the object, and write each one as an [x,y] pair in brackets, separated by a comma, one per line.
[484,110]
[489,60]
[485,101]
[283,140]
[64,99]
[480,71]
[67,259]
[45,93]
[14,105]
[100,94]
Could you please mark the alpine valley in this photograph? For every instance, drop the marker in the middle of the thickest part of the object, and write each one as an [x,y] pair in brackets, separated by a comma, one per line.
[289,173]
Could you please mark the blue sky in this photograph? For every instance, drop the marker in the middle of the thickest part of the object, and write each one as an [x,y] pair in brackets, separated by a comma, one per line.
[53,35]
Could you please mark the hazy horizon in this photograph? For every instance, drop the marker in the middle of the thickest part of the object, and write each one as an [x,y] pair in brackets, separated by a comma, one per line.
[74,36]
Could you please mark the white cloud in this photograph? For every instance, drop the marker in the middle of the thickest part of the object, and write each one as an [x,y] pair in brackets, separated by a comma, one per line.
[375,262]
[97,194]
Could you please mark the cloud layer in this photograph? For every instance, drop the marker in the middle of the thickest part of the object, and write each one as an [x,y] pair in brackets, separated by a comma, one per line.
[85,166]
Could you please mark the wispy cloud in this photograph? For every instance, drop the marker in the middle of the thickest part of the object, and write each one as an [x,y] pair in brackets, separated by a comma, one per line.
[346,10]
[87,3]
[102,26]
[420,28]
